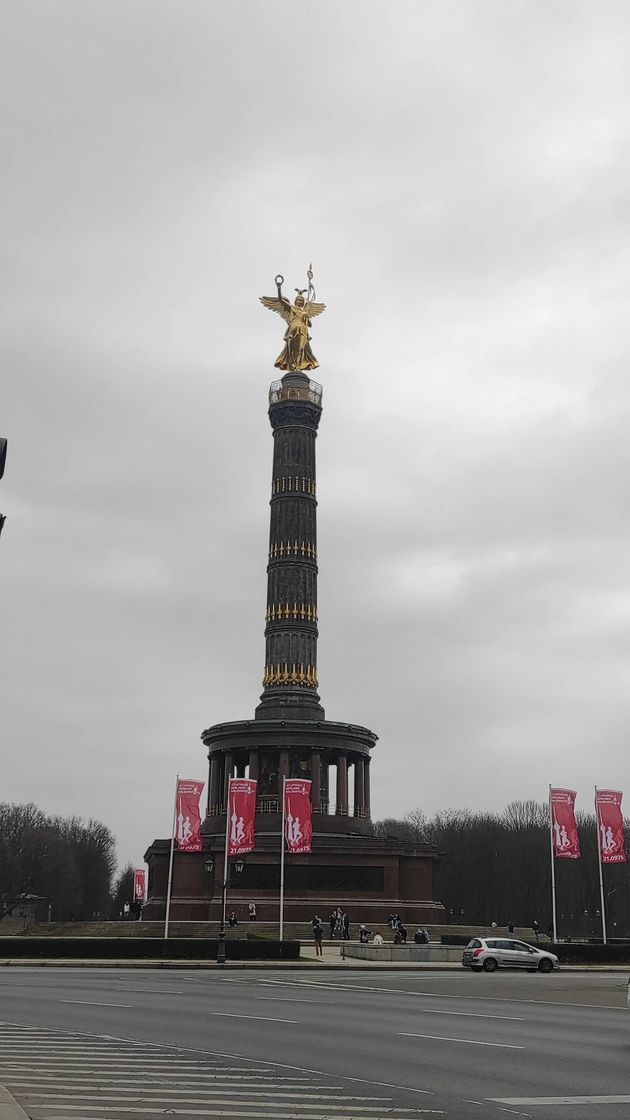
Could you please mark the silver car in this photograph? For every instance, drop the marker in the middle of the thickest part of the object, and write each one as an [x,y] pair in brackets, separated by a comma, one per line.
[490,953]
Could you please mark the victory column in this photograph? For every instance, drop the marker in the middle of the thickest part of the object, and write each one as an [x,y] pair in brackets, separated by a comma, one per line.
[289,735]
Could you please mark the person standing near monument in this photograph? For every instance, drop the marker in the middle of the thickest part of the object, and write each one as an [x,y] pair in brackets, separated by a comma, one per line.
[318,933]
[251,909]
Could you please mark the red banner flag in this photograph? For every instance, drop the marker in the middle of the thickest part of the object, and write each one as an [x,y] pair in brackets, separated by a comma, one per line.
[241,816]
[188,815]
[564,833]
[139,884]
[298,829]
[612,847]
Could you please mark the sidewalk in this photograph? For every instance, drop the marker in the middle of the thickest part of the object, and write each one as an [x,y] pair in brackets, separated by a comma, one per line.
[330,961]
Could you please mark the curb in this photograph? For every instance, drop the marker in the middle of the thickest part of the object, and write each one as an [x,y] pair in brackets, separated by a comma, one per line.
[312,966]
[9,1107]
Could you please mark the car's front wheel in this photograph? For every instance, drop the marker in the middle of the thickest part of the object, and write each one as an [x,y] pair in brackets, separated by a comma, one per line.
[490,964]
[545,965]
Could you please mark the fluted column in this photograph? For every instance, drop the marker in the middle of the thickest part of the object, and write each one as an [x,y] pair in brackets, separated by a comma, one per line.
[253,765]
[366,787]
[290,674]
[342,785]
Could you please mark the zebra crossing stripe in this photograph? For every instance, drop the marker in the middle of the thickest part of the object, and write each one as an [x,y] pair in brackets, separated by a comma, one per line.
[401,1113]
[61,1076]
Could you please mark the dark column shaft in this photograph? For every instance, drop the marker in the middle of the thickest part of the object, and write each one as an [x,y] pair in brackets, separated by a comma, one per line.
[290,676]
[342,785]
[359,804]
[316,779]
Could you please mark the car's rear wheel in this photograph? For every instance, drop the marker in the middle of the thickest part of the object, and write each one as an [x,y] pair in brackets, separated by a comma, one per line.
[490,964]
[545,965]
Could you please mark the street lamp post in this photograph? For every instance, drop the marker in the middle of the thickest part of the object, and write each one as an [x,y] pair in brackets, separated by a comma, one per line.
[238,867]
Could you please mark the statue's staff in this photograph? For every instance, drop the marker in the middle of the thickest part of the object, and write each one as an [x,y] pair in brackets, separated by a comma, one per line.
[311,289]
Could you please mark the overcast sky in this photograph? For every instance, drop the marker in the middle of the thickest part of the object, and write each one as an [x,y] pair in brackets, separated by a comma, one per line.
[459,175]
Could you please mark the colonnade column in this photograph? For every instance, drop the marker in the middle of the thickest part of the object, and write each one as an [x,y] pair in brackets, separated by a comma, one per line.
[366,786]
[253,765]
[359,796]
[283,773]
[316,782]
[214,785]
[342,785]
[226,777]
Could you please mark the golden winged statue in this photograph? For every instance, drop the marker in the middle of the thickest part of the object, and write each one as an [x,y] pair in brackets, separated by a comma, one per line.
[297,353]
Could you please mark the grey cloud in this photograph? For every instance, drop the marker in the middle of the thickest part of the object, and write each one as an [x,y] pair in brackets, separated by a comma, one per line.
[459,176]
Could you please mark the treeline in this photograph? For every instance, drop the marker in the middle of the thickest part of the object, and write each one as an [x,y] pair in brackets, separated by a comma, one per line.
[496,868]
[67,861]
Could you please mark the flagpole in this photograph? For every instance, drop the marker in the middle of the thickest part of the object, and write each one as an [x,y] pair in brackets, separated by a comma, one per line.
[601,871]
[553,872]
[282,862]
[170,863]
[224,887]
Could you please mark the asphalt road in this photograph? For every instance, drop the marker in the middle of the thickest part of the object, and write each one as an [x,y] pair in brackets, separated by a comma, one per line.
[314,1046]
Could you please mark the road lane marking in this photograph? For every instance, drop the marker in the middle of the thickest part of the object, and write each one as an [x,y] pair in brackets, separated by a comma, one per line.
[293,999]
[261,1018]
[472,1015]
[443,995]
[469,1041]
[91,1003]
[165,1095]
[158,991]
[539,1101]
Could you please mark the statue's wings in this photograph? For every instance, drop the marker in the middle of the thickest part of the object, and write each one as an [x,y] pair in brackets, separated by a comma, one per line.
[313,309]
[275,304]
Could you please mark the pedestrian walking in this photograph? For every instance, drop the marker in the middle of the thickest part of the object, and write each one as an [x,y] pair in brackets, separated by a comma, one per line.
[318,933]
[346,927]
[510,927]
[252,911]
[535,929]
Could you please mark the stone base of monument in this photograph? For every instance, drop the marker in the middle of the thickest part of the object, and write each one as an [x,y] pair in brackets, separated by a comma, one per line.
[368,878]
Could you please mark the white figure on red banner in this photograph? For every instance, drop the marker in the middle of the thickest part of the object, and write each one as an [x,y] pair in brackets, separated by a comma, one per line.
[240,830]
[180,825]
[187,830]
[234,820]
[608,840]
[297,831]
